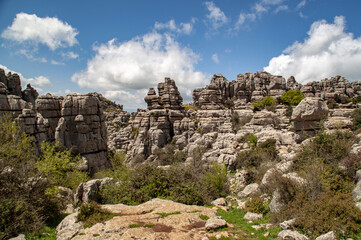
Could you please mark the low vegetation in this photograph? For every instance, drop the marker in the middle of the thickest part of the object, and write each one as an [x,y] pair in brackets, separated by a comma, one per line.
[269,103]
[91,214]
[189,185]
[292,97]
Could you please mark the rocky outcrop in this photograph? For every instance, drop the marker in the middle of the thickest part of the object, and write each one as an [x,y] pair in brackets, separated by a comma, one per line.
[77,121]
[82,128]
[184,223]
[90,191]
[308,114]
[247,88]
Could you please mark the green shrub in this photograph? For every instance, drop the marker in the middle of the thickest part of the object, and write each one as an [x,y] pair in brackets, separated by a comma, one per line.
[60,166]
[356,119]
[25,205]
[91,214]
[292,97]
[252,140]
[269,101]
[169,154]
[189,185]
[257,105]
[329,212]
[256,205]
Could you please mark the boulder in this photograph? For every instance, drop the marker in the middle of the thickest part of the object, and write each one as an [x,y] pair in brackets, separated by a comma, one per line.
[89,191]
[215,223]
[289,224]
[328,236]
[249,190]
[308,114]
[68,227]
[291,235]
[253,216]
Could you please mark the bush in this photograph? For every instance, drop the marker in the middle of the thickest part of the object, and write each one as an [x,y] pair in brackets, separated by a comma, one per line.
[256,205]
[292,97]
[59,165]
[169,155]
[356,119]
[257,160]
[329,212]
[25,204]
[189,185]
[267,102]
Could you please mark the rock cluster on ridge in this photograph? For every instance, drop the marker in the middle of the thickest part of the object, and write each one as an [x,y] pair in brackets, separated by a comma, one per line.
[76,120]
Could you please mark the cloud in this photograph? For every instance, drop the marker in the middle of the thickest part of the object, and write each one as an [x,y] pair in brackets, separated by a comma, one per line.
[216,16]
[69,55]
[328,51]
[301,4]
[272,2]
[281,8]
[259,8]
[29,54]
[49,31]
[140,63]
[215,58]
[183,28]
[56,62]
[37,81]
[243,17]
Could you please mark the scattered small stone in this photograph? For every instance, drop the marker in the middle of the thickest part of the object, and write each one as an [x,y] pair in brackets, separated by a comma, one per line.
[219,202]
[218,236]
[266,234]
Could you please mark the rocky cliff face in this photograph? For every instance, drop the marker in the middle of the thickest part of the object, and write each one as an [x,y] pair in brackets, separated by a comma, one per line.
[76,120]
[212,129]
[254,86]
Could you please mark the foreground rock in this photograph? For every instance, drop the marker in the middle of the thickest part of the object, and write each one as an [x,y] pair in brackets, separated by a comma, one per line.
[291,235]
[145,222]
[90,191]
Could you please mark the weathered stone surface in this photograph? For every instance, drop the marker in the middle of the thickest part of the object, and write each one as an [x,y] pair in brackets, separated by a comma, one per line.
[215,223]
[82,128]
[289,224]
[249,190]
[328,236]
[219,202]
[69,227]
[19,237]
[184,225]
[253,216]
[89,191]
[291,235]
[308,114]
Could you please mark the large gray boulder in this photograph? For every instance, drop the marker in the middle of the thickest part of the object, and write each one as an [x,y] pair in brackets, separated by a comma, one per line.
[308,114]
[215,222]
[89,191]
[328,236]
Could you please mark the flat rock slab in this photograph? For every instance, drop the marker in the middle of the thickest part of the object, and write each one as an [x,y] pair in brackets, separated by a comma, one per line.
[145,222]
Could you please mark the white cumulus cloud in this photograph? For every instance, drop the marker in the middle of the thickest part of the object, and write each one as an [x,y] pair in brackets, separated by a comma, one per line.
[216,16]
[328,51]
[49,31]
[138,64]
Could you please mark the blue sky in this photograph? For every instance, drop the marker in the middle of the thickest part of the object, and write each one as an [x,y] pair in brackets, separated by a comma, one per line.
[121,48]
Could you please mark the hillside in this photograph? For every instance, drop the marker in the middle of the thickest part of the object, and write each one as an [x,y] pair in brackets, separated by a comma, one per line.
[282,159]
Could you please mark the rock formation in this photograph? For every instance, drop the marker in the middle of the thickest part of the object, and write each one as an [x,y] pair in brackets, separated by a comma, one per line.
[76,120]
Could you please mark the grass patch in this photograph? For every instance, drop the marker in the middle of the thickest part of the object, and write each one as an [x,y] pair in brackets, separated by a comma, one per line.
[149,225]
[204,217]
[134,225]
[235,217]
[163,215]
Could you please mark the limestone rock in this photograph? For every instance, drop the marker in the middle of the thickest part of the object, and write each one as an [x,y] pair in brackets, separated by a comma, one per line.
[215,223]
[89,191]
[328,236]
[291,235]
[308,113]
[289,224]
[253,216]
[219,202]
[19,237]
[69,227]
[249,190]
